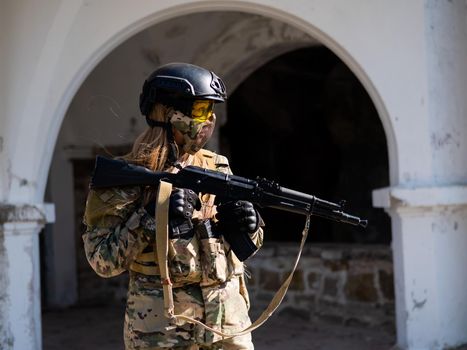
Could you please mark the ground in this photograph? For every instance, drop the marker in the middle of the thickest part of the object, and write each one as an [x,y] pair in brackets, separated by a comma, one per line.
[101,328]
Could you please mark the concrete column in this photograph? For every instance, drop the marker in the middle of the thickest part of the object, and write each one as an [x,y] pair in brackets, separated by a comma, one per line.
[430,218]
[20,307]
[446,45]
[429,248]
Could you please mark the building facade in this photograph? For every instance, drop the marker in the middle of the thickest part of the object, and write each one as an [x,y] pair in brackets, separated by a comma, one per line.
[409,56]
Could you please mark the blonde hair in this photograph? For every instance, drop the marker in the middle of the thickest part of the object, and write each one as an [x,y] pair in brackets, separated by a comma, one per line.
[151,148]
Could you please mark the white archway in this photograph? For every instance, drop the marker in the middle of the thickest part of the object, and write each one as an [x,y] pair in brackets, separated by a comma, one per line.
[53,113]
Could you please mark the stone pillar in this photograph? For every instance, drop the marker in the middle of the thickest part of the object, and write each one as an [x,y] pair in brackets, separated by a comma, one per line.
[20,307]
[429,250]
[429,212]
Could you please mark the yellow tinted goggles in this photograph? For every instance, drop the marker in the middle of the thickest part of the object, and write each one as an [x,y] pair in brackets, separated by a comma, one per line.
[202,110]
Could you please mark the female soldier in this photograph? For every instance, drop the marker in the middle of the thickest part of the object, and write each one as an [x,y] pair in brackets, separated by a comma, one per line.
[208,278]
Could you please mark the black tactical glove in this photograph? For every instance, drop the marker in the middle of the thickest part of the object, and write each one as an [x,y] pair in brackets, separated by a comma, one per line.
[237,220]
[240,216]
[183,202]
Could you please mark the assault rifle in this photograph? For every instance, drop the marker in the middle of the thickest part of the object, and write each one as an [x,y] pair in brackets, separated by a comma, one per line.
[262,192]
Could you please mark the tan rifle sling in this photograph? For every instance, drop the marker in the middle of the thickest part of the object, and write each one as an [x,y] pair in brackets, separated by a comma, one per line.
[162,249]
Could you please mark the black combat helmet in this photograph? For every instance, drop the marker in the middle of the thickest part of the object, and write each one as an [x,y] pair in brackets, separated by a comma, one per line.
[178,85]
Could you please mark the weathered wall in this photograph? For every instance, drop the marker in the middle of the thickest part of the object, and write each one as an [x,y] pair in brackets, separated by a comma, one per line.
[27,24]
[3,94]
[19,228]
[5,332]
[6,335]
[347,284]
[429,222]
[446,43]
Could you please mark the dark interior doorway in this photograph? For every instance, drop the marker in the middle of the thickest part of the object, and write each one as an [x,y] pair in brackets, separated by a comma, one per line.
[304,120]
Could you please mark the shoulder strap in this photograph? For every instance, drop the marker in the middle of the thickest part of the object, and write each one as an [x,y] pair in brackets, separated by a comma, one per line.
[162,244]
[163,198]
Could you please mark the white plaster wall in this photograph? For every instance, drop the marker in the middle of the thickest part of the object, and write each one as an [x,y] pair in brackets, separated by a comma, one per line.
[429,245]
[22,326]
[27,25]
[20,247]
[24,31]
[416,285]
[451,244]
[3,92]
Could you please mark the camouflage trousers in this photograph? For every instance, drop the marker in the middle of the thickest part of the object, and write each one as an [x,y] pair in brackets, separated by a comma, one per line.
[237,343]
[221,307]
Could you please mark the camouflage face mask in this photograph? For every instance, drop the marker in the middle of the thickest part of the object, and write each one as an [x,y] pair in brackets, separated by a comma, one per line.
[195,133]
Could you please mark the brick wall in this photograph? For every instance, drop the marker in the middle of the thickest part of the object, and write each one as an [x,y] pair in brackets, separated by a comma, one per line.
[349,284]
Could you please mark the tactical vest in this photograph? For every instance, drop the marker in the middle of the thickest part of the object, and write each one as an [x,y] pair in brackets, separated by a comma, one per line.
[146,262]
[217,272]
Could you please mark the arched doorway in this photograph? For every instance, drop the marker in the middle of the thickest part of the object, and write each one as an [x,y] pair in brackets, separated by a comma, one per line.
[304,120]
[103,116]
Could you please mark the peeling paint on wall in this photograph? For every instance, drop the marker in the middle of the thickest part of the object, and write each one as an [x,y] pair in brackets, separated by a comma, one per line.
[29,253]
[418,304]
[21,180]
[440,141]
[6,336]
[8,300]
[24,213]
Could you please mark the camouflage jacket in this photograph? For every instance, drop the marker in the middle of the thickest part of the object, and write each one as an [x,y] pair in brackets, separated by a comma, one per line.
[120,237]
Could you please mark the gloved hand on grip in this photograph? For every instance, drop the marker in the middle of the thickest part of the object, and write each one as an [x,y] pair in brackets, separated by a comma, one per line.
[182,204]
[238,216]
[237,220]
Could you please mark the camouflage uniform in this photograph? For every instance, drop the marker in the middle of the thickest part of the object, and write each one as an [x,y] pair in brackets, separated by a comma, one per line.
[208,278]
